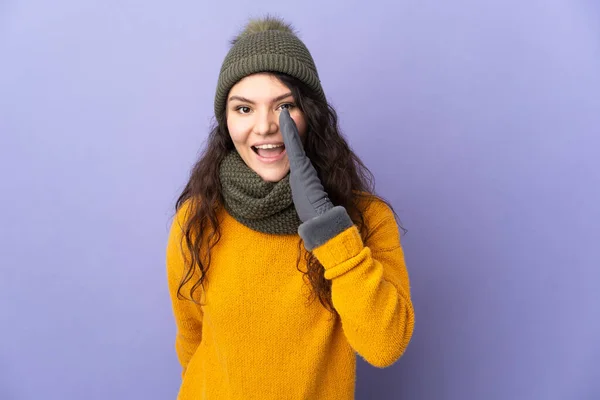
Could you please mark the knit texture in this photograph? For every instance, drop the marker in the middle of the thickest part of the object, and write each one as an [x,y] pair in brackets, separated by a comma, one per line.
[256,336]
[266,46]
[263,206]
[319,230]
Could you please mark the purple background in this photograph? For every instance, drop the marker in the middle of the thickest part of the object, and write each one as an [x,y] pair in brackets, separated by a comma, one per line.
[480,120]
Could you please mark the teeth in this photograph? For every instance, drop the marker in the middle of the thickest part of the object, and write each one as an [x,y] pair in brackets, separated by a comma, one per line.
[269,146]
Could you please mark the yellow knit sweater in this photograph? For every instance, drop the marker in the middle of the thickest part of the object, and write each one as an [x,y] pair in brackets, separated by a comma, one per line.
[256,335]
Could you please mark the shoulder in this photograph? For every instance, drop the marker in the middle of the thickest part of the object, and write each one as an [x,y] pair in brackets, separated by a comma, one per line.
[177,250]
[190,222]
[181,216]
[381,227]
[184,212]
[374,208]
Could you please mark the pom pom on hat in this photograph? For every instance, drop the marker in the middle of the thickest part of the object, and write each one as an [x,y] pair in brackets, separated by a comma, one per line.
[268,23]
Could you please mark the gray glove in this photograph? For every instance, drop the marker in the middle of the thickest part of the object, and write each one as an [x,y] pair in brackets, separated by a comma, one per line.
[321,221]
[308,194]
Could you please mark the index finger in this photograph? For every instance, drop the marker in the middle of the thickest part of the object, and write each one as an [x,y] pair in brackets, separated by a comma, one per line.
[291,137]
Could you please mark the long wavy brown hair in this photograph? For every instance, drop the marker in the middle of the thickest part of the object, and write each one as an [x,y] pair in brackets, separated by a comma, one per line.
[347,181]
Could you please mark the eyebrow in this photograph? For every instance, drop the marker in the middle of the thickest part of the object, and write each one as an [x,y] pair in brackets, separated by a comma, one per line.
[245,100]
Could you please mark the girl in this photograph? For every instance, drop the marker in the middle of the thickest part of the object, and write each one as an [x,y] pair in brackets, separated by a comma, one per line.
[279,212]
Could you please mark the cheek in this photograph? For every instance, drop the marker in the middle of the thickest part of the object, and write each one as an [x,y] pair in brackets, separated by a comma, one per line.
[237,130]
[300,124]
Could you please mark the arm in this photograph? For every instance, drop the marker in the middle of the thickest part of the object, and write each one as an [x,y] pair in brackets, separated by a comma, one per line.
[188,315]
[370,286]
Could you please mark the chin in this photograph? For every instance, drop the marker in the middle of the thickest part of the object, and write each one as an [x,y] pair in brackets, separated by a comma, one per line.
[273,175]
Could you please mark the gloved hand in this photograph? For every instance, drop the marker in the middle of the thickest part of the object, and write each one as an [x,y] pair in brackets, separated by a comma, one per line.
[321,221]
[308,194]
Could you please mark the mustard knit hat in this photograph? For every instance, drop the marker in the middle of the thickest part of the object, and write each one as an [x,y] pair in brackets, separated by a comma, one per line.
[265,45]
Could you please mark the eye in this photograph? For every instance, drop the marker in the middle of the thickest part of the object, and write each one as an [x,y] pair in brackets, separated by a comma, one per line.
[289,106]
[243,109]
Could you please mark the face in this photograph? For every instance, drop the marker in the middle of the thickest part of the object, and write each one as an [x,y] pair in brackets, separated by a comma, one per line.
[253,108]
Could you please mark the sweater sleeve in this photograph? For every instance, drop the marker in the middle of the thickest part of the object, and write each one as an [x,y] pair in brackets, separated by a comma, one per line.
[370,287]
[188,315]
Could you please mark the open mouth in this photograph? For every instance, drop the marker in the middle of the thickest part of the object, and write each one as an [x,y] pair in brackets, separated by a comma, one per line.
[269,151]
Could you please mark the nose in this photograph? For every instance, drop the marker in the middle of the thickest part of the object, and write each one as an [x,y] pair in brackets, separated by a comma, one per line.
[266,123]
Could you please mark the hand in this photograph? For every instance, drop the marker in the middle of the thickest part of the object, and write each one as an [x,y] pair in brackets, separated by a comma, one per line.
[308,194]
